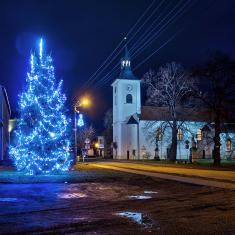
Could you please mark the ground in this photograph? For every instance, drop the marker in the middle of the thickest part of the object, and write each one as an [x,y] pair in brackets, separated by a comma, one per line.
[90,201]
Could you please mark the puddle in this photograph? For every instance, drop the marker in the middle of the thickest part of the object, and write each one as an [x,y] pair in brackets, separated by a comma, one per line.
[150,192]
[136,217]
[79,218]
[71,195]
[140,197]
[8,199]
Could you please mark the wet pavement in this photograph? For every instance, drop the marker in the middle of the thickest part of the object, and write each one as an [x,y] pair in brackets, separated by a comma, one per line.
[109,202]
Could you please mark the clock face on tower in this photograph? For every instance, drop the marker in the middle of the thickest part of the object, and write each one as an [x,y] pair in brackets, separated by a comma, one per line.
[129,87]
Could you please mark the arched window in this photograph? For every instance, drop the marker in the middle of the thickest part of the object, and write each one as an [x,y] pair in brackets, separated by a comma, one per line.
[199,135]
[180,134]
[129,99]
[228,145]
[159,134]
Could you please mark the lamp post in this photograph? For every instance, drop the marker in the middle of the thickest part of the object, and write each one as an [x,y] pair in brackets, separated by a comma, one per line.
[84,102]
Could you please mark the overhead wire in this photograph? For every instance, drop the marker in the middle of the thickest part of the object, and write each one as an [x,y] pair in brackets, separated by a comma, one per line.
[154,37]
[104,65]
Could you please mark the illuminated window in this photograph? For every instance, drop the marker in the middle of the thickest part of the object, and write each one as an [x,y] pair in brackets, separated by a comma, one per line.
[128,63]
[199,134]
[129,99]
[180,134]
[228,145]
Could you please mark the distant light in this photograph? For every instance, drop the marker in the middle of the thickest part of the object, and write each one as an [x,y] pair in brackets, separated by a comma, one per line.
[97,145]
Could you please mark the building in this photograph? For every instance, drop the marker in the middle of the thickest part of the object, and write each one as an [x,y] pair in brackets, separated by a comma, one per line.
[137,132]
[100,146]
[5,113]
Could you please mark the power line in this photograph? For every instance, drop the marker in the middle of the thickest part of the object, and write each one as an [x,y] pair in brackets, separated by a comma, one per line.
[104,79]
[114,70]
[141,37]
[102,65]
[147,19]
[163,27]
[94,75]
[163,45]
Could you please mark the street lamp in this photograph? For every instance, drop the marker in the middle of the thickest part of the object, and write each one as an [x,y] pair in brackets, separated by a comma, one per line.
[83,102]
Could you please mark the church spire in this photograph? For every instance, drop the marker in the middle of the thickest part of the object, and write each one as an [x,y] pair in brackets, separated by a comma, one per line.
[126,72]
[126,60]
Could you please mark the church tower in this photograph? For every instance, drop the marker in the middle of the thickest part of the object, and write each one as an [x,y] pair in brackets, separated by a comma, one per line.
[126,102]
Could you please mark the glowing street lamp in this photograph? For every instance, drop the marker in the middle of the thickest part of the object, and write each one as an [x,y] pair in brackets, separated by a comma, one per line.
[83,102]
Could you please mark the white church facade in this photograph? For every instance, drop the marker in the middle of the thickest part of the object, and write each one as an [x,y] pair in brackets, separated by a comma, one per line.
[136,128]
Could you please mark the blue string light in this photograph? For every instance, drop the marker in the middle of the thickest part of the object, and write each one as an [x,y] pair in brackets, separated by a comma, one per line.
[41,144]
[80,120]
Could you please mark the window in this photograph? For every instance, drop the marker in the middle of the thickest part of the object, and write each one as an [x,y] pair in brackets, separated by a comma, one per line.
[159,135]
[199,135]
[180,134]
[228,145]
[129,99]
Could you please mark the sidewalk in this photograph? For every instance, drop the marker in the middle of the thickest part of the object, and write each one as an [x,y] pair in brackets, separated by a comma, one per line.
[214,178]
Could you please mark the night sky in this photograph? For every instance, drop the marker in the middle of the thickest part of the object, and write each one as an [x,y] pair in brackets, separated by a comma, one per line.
[82,34]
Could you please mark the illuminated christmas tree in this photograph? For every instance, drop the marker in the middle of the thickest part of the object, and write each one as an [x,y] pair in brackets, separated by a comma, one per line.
[41,144]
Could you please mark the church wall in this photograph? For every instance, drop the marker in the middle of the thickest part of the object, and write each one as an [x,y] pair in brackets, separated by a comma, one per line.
[125,135]
[147,137]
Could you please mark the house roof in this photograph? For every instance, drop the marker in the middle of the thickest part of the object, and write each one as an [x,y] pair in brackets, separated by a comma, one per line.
[152,113]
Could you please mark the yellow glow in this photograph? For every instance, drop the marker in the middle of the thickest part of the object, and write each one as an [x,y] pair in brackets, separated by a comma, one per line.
[85,102]
[97,145]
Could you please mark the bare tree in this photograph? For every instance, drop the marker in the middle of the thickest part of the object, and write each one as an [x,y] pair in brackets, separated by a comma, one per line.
[218,82]
[83,134]
[170,87]
[108,132]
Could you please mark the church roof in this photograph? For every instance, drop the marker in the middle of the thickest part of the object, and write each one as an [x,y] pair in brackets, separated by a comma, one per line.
[151,113]
[132,120]
[126,71]
[127,74]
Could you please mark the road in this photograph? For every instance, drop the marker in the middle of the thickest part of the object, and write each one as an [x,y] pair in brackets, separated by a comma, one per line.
[206,177]
[98,201]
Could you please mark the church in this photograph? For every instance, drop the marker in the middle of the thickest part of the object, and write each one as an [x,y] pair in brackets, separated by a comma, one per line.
[136,132]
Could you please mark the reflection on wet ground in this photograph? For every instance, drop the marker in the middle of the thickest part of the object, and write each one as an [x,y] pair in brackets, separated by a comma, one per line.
[7,199]
[150,192]
[71,195]
[107,202]
[134,216]
[140,197]
[138,218]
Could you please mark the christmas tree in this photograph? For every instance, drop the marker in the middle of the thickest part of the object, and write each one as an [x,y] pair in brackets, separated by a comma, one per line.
[41,144]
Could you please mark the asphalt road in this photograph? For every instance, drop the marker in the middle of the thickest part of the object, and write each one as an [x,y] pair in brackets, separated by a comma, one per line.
[109,202]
